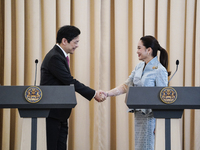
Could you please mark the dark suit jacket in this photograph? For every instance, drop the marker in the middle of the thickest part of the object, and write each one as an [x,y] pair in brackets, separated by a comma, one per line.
[55,71]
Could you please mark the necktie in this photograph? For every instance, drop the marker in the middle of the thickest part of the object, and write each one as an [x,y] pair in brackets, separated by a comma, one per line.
[67,60]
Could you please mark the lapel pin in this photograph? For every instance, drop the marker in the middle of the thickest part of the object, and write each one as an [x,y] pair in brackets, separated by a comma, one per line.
[155,67]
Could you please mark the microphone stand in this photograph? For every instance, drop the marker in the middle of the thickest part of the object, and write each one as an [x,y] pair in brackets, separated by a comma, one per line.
[177,63]
[168,120]
[36,61]
[34,120]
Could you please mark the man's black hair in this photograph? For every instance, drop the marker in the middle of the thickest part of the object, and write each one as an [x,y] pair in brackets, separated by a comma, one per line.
[68,32]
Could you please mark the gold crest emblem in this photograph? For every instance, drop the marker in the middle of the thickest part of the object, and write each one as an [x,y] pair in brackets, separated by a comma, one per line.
[168,95]
[33,94]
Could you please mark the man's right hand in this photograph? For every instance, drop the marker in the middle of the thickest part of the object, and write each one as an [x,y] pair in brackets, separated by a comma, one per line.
[100,96]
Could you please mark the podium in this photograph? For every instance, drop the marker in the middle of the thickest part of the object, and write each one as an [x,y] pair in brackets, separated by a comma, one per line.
[52,97]
[149,98]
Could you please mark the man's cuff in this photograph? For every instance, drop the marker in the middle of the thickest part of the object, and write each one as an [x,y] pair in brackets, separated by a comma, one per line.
[95,94]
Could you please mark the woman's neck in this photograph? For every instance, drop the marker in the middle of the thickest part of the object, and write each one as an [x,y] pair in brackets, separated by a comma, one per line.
[148,59]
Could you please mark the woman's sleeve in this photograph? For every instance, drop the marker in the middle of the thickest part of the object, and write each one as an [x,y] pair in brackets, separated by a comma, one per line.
[129,81]
[121,89]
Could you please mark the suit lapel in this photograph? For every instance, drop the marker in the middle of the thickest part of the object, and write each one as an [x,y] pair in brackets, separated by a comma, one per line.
[59,51]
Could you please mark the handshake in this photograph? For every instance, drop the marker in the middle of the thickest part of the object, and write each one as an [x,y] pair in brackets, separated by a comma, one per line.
[100,96]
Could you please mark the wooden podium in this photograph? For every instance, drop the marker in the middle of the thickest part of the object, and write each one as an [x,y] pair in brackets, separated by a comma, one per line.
[149,98]
[52,97]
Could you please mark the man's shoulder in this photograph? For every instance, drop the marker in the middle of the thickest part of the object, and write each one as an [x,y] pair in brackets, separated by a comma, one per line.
[55,51]
[55,48]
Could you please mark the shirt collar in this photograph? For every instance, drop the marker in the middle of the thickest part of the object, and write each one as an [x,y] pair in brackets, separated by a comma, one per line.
[62,50]
[153,63]
[154,60]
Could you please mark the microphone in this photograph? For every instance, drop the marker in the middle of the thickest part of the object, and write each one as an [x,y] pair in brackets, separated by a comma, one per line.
[36,61]
[177,63]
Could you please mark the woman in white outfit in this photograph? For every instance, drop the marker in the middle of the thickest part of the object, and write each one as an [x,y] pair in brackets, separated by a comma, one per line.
[150,72]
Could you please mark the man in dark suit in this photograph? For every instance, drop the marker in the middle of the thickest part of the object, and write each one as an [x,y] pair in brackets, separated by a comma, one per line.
[55,71]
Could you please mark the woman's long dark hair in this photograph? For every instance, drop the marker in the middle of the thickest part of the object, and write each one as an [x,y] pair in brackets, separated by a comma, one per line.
[150,41]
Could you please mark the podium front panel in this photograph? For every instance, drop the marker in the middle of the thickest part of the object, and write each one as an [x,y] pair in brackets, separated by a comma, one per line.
[149,98]
[52,97]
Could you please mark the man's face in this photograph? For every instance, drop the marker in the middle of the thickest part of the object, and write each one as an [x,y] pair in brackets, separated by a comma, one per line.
[71,46]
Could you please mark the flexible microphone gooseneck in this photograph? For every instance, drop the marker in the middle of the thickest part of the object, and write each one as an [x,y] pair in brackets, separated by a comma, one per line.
[36,62]
[177,63]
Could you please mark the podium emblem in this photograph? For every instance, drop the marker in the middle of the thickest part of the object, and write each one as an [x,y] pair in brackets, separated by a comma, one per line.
[168,95]
[33,94]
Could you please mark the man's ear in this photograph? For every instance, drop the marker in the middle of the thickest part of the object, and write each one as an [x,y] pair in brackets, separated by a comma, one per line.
[64,41]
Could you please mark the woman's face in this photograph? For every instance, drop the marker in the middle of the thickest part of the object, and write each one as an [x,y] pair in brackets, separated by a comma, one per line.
[144,54]
[141,51]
